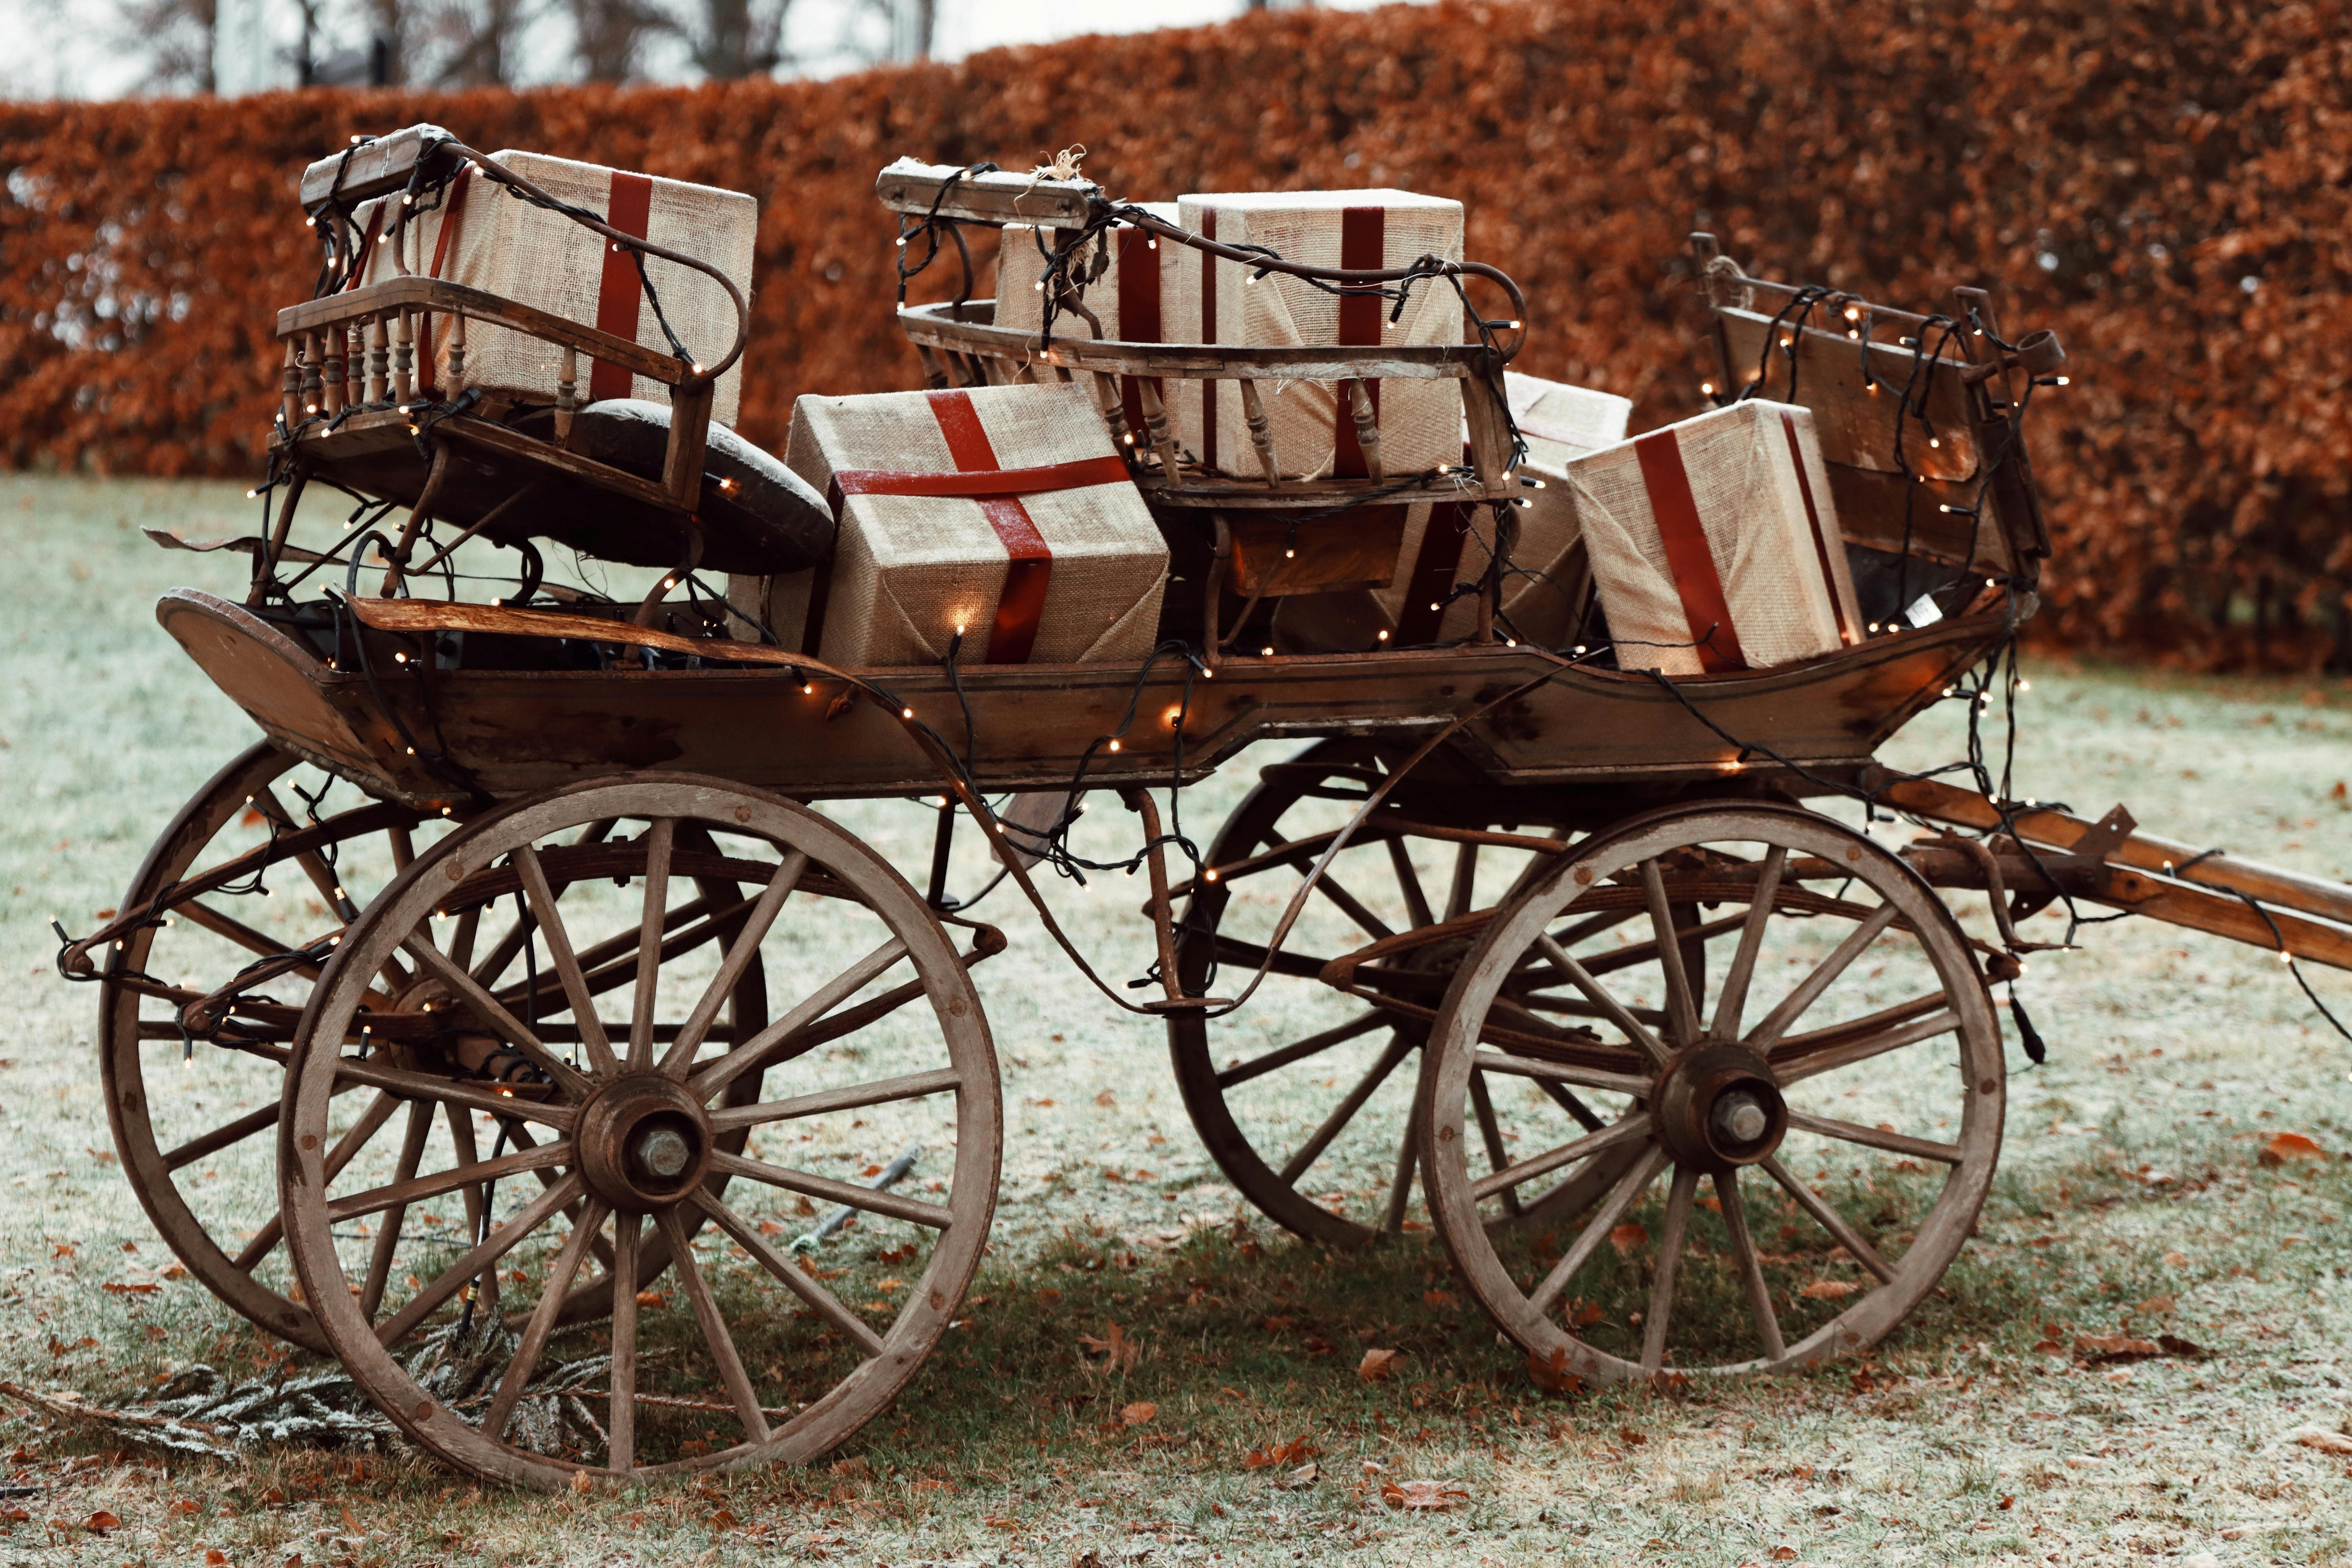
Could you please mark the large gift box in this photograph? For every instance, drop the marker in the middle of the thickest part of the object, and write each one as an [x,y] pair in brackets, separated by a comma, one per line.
[1000,512]
[483,235]
[1217,301]
[1713,542]
[1559,422]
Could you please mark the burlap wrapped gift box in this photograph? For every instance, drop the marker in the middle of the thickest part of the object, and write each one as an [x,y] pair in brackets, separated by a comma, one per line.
[1714,543]
[487,238]
[1001,511]
[1217,302]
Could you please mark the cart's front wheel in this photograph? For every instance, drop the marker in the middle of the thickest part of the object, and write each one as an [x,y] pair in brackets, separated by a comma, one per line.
[1834,1106]
[450,1274]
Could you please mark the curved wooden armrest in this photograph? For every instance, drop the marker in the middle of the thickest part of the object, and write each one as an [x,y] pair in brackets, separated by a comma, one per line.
[417,293]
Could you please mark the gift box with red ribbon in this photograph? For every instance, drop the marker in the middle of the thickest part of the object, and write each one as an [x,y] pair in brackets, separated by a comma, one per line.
[481,234]
[1223,301]
[1714,544]
[1000,515]
[1129,298]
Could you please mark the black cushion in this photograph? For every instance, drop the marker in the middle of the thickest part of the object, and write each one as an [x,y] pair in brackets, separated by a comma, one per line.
[758,517]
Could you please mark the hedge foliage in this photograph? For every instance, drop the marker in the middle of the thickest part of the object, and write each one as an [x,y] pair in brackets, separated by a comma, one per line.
[2164,181]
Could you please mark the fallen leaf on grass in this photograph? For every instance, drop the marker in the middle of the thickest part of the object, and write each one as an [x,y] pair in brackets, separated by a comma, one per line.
[2187,1350]
[1422,1495]
[2102,1350]
[184,1506]
[216,1558]
[2158,1306]
[1626,1238]
[1784,1554]
[1137,1414]
[1587,1313]
[131,1287]
[1631,1438]
[1119,1353]
[1303,1477]
[2050,1347]
[1829,1289]
[1550,1373]
[2321,1438]
[724,1519]
[1377,1366]
[1280,1454]
[2285,1146]
[101,1523]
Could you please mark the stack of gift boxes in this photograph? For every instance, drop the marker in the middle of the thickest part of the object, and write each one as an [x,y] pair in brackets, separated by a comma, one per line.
[1000,524]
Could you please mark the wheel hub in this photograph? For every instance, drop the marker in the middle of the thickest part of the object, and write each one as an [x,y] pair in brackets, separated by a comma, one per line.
[1718,1106]
[644,1142]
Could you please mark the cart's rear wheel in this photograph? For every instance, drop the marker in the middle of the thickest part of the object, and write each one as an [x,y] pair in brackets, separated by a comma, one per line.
[1303,1096]
[1839,1098]
[190,1110]
[454,1293]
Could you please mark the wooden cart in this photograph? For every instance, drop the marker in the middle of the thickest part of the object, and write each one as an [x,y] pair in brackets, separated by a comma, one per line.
[579,1017]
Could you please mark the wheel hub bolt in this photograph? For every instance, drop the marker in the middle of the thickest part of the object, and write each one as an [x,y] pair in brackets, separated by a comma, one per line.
[664,1152]
[1740,1118]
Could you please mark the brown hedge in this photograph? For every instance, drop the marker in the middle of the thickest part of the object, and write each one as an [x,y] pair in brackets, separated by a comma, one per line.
[2163,182]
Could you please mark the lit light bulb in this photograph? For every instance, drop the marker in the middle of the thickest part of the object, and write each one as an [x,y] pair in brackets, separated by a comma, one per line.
[1114,745]
[906,713]
[1384,636]
[1706,388]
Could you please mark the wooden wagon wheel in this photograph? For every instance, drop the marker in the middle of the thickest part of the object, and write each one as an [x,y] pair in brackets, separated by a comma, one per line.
[188,1110]
[1841,1092]
[1304,1097]
[745,1351]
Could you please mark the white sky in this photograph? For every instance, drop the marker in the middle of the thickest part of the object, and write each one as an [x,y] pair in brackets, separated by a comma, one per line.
[79,49]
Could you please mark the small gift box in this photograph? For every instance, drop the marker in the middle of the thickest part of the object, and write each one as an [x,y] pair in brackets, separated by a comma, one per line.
[1000,514]
[1559,422]
[1713,542]
[1311,423]
[487,237]
[1129,298]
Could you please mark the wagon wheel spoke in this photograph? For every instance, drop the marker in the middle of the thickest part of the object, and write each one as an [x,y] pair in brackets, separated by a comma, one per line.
[1828,1217]
[1562,1072]
[265,1240]
[543,900]
[473,1192]
[1416,902]
[1400,1183]
[751,1055]
[612,962]
[1345,1112]
[1560,1095]
[1751,1266]
[461,941]
[848,1194]
[1299,1050]
[1508,1179]
[1490,1132]
[549,1174]
[481,1259]
[1670,1255]
[450,1091]
[1616,1012]
[496,1018]
[1629,1188]
[1733,999]
[1883,1138]
[1682,1006]
[620,1448]
[715,1337]
[387,1235]
[820,1300]
[1808,991]
[222,1137]
[198,912]
[416,1189]
[1801,1057]
[1353,907]
[882,1092]
[543,1320]
[660,840]
[731,968]
[1463,888]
